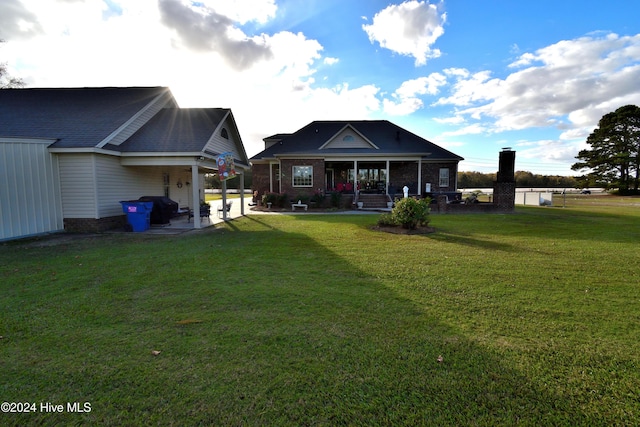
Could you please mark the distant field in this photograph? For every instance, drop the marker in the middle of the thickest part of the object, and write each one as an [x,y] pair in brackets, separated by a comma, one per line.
[529,319]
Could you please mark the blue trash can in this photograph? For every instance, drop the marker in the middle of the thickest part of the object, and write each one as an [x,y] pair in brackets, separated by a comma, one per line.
[138,214]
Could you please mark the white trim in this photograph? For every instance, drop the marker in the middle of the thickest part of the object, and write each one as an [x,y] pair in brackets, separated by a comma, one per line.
[350,158]
[84,150]
[27,140]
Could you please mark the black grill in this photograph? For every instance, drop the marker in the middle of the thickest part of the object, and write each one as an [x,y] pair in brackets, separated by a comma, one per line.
[163,209]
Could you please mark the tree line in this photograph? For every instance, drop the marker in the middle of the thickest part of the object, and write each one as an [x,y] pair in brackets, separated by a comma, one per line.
[523,179]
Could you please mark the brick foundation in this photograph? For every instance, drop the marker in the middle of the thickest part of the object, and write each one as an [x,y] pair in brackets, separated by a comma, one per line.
[92,225]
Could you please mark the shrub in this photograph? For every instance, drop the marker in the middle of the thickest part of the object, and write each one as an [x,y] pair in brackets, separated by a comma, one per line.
[276,199]
[386,220]
[318,198]
[410,212]
[336,199]
[269,198]
[282,200]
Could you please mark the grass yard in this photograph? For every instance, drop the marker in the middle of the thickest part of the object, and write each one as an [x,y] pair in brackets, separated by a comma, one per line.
[524,319]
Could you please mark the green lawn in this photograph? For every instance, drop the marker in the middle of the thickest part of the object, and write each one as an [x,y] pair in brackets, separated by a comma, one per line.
[529,319]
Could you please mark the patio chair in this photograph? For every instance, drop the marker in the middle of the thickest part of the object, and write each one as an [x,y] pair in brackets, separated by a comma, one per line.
[205,212]
[221,209]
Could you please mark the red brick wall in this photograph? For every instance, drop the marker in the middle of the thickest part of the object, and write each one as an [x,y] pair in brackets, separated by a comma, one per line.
[287,179]
[406,173]
[260,177]
[431,174]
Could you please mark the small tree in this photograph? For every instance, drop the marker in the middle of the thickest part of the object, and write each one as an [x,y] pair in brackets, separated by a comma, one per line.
[613,160]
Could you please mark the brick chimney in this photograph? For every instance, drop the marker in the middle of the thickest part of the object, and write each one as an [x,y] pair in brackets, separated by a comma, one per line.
[504,189]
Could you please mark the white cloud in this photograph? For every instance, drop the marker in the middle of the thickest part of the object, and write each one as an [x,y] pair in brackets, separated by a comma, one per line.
[569,84]
[405,98]
[17,21]
[469,89]
[453,120]
[410,28]
[331,61]
[551,152]
[472,129]
[204,29]
[243,11]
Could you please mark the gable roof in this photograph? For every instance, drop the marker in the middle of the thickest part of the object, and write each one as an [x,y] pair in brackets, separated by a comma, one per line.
[133,120]
[75,117]
[187,130]
[192,127]
[379,138]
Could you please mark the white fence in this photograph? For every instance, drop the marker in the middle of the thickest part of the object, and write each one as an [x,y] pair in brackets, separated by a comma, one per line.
[534,198]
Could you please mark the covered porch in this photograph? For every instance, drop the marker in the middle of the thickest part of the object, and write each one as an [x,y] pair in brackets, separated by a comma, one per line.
[374,176]
[183,181]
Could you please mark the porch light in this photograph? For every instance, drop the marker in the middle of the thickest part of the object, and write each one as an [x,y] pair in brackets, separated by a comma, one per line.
[179,184]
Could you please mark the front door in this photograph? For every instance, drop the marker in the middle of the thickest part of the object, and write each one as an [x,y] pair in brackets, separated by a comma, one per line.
[330,180]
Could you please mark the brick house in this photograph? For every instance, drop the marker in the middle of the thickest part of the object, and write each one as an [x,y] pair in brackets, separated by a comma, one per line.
[353,158]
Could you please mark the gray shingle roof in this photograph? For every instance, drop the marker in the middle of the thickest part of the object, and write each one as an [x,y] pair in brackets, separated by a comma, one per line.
[76,117]
[389,139]
[176,130]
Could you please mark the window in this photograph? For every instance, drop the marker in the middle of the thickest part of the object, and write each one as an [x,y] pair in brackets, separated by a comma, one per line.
[444,177]
[303,176]
[348,138]
[224,133]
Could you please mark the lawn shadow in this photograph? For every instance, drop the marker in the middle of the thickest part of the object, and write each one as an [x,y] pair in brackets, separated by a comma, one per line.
[460,238]
[329,343]
[287,333]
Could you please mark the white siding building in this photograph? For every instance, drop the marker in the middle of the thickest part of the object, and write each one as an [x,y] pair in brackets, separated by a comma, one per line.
[69,156]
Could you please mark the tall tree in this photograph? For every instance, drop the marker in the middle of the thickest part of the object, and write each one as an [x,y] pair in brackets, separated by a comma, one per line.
[613,160]
[6,81]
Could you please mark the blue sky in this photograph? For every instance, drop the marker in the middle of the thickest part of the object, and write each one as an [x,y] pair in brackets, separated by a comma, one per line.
[471,76]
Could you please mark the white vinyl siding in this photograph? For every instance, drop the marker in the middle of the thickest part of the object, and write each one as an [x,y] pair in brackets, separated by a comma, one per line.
[30,190]
[219,144]
[348,138]
[116,183]
[77,181]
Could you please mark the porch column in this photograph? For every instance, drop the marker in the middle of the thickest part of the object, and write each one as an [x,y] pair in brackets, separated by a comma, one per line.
[270,177]
[242,194]
[224,200]
[195,188]
[355,176]
[386,185]
[419,177]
